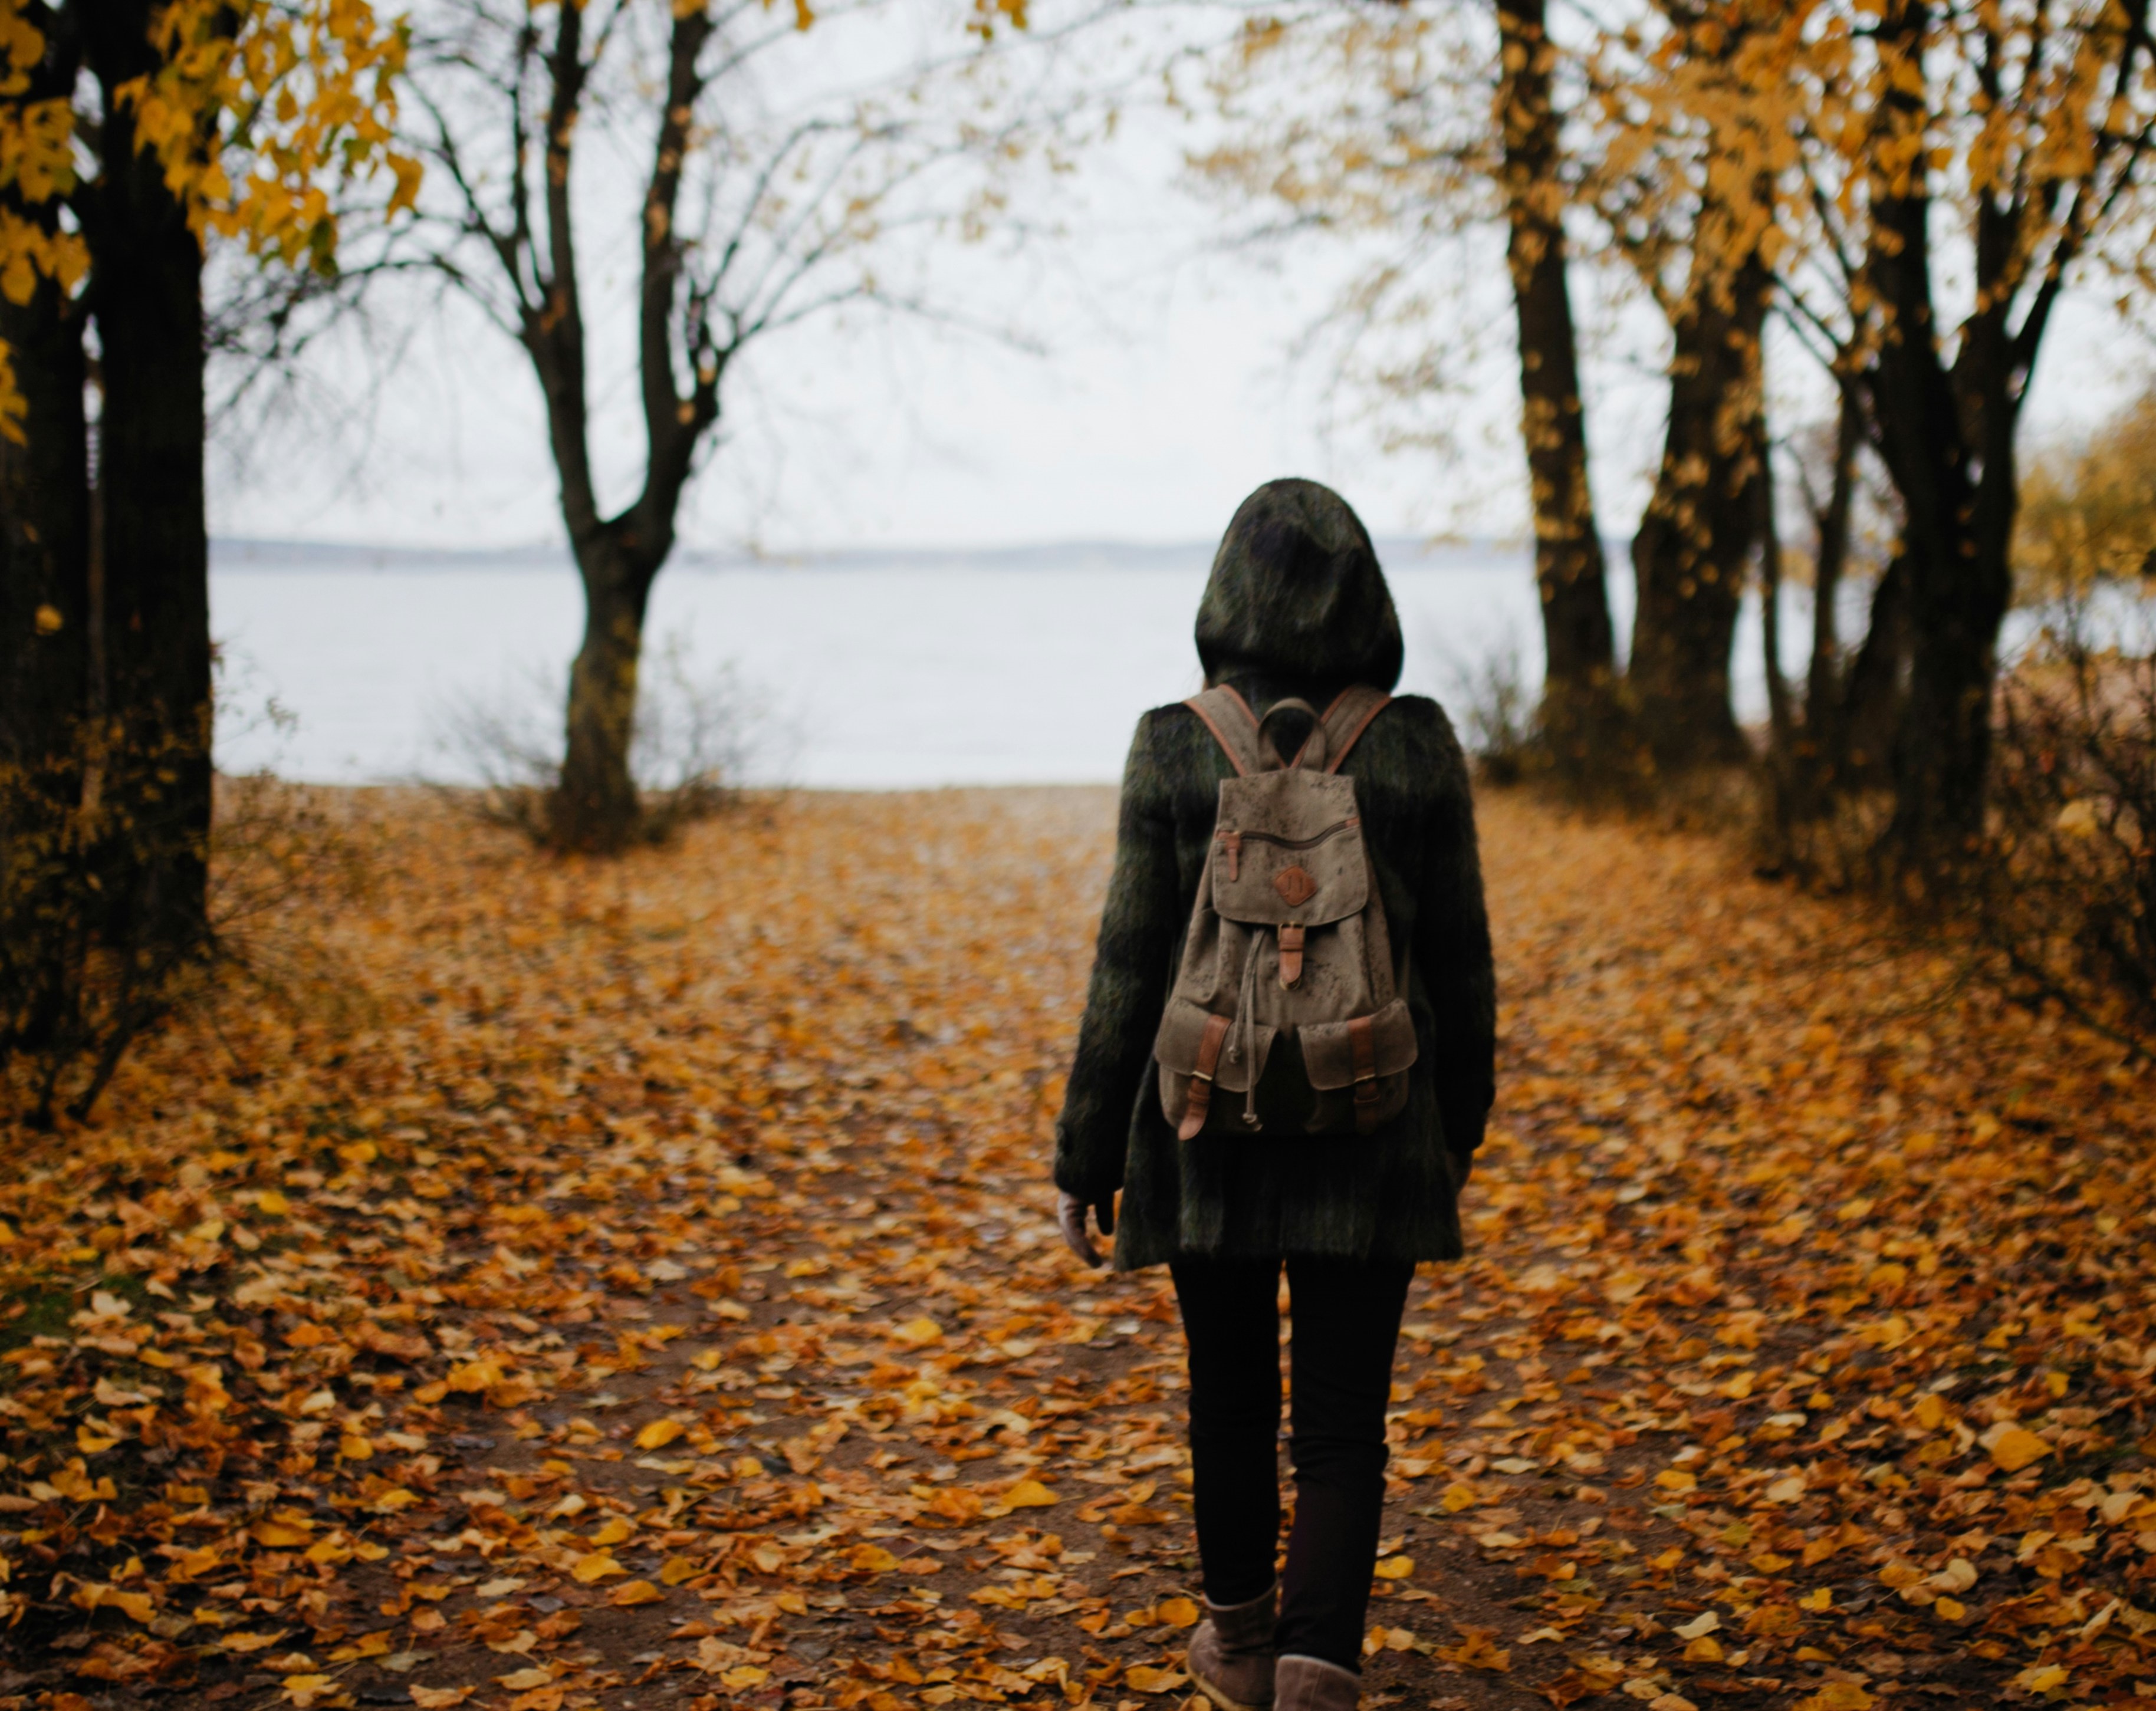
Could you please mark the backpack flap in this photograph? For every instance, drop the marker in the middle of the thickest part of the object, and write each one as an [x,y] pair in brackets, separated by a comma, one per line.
[1287,849]
[1363,1062]
[1198,1050]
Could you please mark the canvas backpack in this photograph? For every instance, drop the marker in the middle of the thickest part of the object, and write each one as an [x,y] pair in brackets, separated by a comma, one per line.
[1287,956]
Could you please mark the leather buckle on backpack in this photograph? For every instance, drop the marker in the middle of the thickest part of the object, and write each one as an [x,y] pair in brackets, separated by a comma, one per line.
[1290,955]
[1362,1040]
[1200,1099]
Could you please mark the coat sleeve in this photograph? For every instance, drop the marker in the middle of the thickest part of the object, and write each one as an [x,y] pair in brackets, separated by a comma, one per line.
[1452,942]
[1140,929]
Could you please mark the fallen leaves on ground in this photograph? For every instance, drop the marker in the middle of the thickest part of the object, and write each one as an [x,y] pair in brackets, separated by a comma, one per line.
[639,1282]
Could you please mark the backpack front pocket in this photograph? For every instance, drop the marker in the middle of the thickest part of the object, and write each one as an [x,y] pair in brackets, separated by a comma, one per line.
[1358,1069]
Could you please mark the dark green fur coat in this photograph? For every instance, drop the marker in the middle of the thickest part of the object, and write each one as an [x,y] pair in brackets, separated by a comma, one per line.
[1391,1195]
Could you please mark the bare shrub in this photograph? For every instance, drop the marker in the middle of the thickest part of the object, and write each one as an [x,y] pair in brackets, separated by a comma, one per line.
[1495,709]
[2068,901]
[697,731]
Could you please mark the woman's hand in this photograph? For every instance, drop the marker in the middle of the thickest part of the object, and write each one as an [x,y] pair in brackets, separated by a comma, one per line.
[1071,1216]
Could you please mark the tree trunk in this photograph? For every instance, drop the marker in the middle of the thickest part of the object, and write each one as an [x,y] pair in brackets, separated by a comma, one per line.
[1870,703]
[1823,706]
[594,806]
[44,547]
[1948,440]
[146,295]
[46,618]
[1581,715]
[1701,523]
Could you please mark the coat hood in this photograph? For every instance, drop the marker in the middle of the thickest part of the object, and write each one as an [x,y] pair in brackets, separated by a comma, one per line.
[1296,595]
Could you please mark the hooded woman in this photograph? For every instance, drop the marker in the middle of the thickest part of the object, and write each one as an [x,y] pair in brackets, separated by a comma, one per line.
[1297,609]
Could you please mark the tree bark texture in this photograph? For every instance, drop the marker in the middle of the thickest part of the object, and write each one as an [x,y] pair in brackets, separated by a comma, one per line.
[1581,710]
[595,805]
[45,611]
[145,292]
[1695,542]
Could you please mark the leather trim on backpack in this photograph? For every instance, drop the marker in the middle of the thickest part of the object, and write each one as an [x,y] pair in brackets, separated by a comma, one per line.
[1243,756]
[1200,1099]
[1356,720]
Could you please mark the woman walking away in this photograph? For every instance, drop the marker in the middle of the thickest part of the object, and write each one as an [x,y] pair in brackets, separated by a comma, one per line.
[1286,1058]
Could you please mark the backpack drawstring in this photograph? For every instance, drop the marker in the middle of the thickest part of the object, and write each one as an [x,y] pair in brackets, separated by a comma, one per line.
[1247,1022]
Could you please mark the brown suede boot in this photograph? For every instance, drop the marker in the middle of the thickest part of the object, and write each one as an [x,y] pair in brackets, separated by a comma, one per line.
[1231,1654]
[1303,1684]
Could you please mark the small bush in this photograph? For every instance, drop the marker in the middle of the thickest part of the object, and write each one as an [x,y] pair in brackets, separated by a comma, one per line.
[1496,711]
[2068,901]
[696,733]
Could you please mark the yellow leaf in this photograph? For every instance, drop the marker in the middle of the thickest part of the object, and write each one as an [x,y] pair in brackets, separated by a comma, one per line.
[1144,1679]
[1029,1495]
[355,1448]
[2014,1447]
[1820,1598]
[49,620]
[272,1202]
[304,1690]
[1706,1622]
[594,1567]
[475,1377]
[522,1681]
[675,1569]
[918,1333]
[244,1643]
[871,1559]
[1457,1496]
[1837,1696]
[440,1698]
[636,1592]
[1476,1651]
[2041,1678]
[745,1675]
[1394,1568]
[614,1532]
[1177,1612]
[1675,1479]
[280,1535]
[1949,1609]
[659,1434]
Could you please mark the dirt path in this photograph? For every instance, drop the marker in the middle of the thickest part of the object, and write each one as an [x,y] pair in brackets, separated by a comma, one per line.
[644,1297]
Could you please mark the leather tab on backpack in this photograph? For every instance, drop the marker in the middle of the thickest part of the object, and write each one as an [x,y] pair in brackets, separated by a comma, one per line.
[1291,953]
[1200,1100]
[1363,1043]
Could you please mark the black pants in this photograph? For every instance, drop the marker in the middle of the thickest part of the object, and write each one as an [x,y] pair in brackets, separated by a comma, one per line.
[1346,1318]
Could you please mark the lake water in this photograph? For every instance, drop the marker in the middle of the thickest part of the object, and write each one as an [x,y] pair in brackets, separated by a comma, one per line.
[913,670]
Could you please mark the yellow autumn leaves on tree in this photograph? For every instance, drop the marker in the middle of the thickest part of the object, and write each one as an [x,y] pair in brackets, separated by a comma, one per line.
[257,112]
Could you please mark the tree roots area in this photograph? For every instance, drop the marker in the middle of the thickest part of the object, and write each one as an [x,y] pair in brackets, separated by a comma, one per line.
[633,1285]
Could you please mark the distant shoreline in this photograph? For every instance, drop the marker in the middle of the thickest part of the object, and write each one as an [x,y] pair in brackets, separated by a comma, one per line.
[242,554]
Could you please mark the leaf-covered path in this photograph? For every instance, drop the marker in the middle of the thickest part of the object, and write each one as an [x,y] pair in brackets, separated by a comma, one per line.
[632,1286]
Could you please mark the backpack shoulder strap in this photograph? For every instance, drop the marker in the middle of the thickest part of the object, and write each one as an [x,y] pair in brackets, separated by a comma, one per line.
[1347,719]
[1234,726]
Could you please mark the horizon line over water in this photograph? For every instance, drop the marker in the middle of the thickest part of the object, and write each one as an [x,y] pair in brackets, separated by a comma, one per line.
[249,553]
[882,669]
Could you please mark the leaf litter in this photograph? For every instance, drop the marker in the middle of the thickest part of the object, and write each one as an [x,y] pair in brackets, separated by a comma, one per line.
[641,1293]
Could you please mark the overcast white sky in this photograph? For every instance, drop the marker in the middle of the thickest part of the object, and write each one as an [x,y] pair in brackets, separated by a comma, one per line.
[1167,389]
